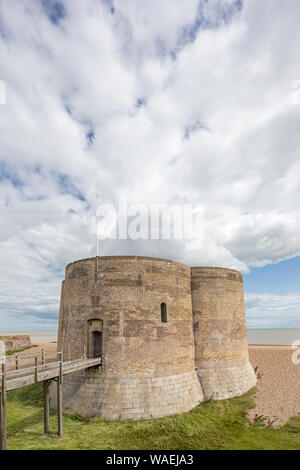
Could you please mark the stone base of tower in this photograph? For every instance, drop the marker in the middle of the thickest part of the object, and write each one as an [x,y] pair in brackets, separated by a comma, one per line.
[129,397]
[226,379]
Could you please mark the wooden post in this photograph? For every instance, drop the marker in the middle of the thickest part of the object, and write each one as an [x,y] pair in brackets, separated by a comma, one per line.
[36,363]
[3,409]
[43,356]
[46,406]
[60,397]
[60,358]
[17,362]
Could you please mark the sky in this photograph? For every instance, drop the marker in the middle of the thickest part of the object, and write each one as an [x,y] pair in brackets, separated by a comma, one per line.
[161,102]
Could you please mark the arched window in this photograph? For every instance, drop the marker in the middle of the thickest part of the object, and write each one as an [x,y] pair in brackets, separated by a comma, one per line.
[163,312]
[97,343]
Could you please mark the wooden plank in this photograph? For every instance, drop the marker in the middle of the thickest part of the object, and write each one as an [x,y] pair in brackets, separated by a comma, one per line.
[60,398]
[26,370]
[46,406]
[19,372]
[21,378]
[61,369]
[3,436]
[45,367]
[21,382]
[31,355]
[36,367]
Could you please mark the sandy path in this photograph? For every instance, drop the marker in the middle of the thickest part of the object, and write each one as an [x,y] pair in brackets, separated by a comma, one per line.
[48,347]
[278,392]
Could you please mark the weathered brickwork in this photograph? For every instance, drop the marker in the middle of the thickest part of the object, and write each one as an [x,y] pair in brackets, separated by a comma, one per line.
[221,343]
[149,367]
[131,397]
[228,381]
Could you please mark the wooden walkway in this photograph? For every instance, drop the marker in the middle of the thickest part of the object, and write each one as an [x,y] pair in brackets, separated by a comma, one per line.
[21,370]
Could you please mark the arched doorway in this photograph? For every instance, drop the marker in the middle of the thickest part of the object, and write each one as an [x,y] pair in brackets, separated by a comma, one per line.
[97,343]
[95,340]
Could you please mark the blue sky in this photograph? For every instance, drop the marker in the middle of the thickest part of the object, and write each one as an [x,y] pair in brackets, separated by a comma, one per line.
[163,102]
[272,295]
[280,278]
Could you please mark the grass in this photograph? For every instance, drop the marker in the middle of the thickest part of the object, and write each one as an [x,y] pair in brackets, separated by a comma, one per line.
[212,425]
[11,352]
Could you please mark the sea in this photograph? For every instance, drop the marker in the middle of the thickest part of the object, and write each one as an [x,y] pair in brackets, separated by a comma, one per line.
[280,336]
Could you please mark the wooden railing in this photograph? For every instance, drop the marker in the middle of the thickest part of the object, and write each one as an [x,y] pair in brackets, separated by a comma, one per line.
[15,374]
[16,361]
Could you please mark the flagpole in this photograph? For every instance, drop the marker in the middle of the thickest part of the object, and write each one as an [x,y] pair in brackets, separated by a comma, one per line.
[97,242]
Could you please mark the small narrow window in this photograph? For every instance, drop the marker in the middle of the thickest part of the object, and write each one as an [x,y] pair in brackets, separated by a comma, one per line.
[97,337]
[163,312]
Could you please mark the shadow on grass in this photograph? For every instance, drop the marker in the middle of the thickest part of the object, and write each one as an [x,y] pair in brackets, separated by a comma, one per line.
[29,421]
[34,420]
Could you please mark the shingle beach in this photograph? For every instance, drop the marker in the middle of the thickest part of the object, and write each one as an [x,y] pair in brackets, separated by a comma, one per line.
[278,389]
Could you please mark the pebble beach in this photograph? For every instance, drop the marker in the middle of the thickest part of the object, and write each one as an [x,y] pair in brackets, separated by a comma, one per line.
[278,388]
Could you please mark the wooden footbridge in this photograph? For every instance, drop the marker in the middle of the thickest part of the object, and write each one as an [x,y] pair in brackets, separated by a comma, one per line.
[21,370]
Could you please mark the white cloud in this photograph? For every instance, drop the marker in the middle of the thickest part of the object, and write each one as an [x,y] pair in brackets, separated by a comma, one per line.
[273,311]
[135,81]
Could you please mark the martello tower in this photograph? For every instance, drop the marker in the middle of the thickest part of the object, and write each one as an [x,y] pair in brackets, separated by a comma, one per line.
[170,336]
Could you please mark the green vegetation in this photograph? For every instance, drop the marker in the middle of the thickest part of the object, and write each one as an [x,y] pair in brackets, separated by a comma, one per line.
[11,352]
[212,425]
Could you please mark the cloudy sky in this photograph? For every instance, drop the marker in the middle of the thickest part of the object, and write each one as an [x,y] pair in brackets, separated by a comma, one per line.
[161,102]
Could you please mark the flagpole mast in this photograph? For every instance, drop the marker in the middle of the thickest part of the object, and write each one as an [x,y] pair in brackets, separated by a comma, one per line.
[97,242]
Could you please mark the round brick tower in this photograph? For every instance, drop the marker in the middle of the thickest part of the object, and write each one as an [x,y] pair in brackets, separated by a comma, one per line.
[137,313]
[221,343]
